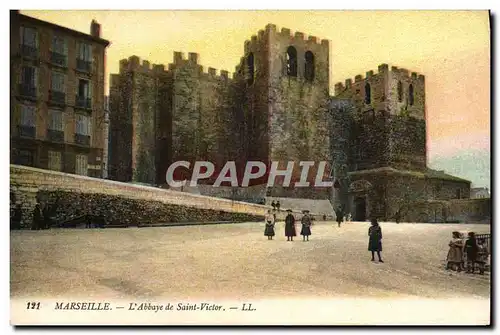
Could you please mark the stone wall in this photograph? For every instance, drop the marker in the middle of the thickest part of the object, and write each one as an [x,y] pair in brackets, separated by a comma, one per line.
[389,128]
[26,183]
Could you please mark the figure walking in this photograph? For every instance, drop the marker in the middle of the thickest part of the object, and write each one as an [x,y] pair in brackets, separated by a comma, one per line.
[455,254]
[306,226]
[269,230]
[273,204]
[471,250]
[278,205]
[375,240]
[290,226]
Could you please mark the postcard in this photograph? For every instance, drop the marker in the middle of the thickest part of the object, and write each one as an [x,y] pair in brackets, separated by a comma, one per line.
[179,167]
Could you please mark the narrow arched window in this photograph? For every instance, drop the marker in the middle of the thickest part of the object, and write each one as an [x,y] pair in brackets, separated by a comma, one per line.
[400,91]
[368,94]
[410,94]
[291,62]
[251,69]
[309,66]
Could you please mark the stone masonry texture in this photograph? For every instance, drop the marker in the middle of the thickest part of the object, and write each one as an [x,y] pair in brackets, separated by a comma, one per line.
[272,109]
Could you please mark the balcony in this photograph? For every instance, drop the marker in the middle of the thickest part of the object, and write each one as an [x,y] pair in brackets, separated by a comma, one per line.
[58,59]
[83,65]
[27,131]
[82,139]
[27,91]
[55,135]
[29,51]
[83,102]
[56,97]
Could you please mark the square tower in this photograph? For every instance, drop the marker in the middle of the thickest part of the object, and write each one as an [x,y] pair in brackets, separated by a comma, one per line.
[389,126]
[285,80]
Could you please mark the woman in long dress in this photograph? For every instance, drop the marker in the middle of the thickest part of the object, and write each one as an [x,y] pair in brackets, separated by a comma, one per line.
[306,226]
[269,230]
[471,250]
[455,254]
[375,240]
[290,226]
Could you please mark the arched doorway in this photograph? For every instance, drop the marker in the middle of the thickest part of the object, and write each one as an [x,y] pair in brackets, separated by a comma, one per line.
[358,192]
[359,209]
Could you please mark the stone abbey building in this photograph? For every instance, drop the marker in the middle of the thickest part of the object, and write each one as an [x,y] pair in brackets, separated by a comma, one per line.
[277,106]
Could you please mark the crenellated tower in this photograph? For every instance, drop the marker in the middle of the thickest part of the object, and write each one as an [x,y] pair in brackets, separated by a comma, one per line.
[285,83]
[389,114]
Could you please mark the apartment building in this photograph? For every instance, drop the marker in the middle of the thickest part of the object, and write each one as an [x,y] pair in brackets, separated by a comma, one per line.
[57,101]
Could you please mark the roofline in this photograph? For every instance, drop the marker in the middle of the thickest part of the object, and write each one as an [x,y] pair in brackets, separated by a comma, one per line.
[418,174]
[99,40]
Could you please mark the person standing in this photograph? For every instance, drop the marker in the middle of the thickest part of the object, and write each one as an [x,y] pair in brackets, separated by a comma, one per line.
[482,256]
[15,222]
[278,205]
[37,218]
[375,240]
[471,250]
[290,226]
[306,226]
[270,221]
[455,254]
[340,215]
[273,204]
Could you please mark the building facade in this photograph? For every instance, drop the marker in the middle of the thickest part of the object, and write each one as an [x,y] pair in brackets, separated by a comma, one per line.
[480,193]
[277,107]
[57,96]
[387,150]
[274,108]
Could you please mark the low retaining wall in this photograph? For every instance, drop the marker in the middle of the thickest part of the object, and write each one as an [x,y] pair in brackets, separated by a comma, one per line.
[456,210]
[29,185]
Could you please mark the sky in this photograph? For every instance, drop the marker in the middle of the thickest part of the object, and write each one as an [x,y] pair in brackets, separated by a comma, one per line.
[451,48]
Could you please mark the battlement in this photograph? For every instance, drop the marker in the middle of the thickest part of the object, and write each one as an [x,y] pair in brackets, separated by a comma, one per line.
[133,63]
[297,36]
[211,74]
[382,69]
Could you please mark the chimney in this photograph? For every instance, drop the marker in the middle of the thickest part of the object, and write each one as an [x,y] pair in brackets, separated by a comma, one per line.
[95,29]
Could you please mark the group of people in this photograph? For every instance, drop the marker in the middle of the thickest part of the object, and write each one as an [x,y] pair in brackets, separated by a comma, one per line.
[290,231]
[276,205]
[374,232]
[41,217]
[466,255]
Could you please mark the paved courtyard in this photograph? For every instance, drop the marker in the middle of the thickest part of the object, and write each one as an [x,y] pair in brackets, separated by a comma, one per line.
[227,261]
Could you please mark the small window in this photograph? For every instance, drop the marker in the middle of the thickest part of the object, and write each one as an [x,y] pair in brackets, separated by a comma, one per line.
[85,52]
[29,76]
[29,37]
[56,120]
[291,62]
[400,91]
[25,157]
[251,69]
[55,160]
[59,45]
[309,66]
[28,116]
[82,124]
[410,94]
[368,94]
[58,81]
[84,89]
[81,166]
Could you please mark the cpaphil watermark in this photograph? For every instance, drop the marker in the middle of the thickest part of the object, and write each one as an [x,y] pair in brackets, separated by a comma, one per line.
[253,170]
